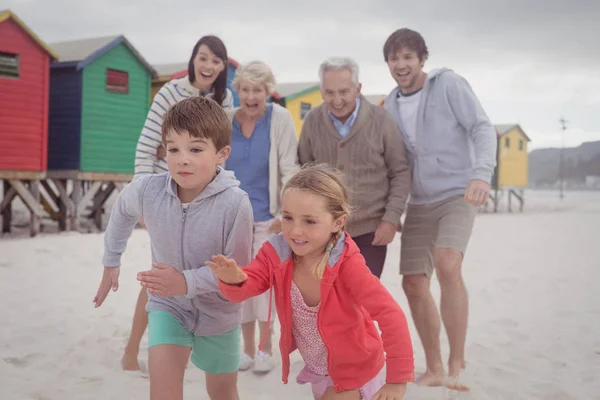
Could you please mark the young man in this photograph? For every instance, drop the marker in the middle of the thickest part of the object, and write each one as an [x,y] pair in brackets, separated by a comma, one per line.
[192,212]
[451,147]
[360,139]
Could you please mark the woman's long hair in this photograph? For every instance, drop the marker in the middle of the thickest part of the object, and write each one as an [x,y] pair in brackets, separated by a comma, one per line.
[217,46]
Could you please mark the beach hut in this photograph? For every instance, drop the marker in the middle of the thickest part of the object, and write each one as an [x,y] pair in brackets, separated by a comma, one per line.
[513,158]
[99,99]
[24,82]
[299,98]
[512,163]
[164,73]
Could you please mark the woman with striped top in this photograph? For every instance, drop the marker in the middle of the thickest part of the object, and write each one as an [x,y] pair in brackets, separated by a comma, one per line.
[207,76]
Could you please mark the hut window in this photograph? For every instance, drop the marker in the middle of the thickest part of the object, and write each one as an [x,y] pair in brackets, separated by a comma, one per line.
[9,65]
[304,109]
[117,81]
[521,144]
[507,142]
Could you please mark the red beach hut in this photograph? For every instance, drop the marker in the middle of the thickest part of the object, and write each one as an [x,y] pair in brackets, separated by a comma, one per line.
[24,88]
[24,92]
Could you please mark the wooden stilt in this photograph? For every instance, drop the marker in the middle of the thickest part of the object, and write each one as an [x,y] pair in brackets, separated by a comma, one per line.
[98,206]
[65,204]
[82,194]
[51,192]
[76,200]
[63,195]
[9,195]
[88,196]
[50,200]
[26,185]
[522,196]
[6,207]
[36,214]
[102,187]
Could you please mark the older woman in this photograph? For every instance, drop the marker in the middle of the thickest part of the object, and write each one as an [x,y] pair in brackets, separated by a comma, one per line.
[263,158]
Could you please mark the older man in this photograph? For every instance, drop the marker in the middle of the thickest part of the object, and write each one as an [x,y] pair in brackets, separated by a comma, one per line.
[362,140]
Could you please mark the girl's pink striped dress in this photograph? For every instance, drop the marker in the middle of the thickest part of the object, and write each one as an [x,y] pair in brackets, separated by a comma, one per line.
[313,350]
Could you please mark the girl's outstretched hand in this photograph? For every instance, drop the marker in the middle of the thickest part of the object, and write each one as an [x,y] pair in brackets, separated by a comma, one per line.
[227,270]
[391,391]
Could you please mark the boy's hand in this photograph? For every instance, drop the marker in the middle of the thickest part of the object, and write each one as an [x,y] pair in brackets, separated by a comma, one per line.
[110,279]
[391,391]
[227,270]
[164,281]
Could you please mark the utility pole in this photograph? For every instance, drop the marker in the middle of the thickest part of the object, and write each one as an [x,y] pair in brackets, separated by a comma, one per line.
[561,165]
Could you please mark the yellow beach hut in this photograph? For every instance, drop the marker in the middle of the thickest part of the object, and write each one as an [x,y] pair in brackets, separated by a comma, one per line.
[512,164]
[164,74]
[513,159]
[299,98]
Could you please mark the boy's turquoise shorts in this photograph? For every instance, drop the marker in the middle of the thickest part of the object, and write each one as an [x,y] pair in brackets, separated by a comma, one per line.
[218,354]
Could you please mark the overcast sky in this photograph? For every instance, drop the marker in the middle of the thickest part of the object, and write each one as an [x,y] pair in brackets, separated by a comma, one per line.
[529,61]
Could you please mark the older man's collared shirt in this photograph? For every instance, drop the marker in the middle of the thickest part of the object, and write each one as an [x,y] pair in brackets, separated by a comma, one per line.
[343,128]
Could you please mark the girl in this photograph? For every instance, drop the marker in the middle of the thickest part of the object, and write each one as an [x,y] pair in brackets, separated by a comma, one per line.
[326,297]
[207,76]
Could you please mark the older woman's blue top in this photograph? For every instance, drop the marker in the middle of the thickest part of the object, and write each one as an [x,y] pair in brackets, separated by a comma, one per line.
[249,160]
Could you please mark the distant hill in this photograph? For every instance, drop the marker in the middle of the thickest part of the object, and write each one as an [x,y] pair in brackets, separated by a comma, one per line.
[580,162]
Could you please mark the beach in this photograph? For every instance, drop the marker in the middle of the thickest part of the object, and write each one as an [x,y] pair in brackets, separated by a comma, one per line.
[533,279]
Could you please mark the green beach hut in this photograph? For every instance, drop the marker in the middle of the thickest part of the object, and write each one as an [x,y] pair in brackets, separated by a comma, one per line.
[99,98]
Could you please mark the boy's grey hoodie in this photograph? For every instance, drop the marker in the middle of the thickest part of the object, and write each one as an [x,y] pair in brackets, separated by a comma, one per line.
[218,221]
[455,142]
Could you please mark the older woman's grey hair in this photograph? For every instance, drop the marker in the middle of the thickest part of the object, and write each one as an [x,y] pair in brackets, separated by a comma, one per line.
[255,72]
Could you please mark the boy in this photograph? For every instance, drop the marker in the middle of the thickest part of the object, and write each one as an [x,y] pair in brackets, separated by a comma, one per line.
[451,147]
[192,212]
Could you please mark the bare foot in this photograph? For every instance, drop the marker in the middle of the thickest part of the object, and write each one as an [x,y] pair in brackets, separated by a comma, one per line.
[130,362]
[452,382]
[431,379]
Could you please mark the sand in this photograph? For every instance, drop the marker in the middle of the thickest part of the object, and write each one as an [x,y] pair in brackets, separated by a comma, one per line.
[534,327]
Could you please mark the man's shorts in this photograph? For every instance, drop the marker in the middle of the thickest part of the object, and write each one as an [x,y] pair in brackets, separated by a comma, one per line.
[444,224]
[218,354]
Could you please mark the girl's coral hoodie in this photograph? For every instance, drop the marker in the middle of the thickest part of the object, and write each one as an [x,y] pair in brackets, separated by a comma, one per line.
[351,299]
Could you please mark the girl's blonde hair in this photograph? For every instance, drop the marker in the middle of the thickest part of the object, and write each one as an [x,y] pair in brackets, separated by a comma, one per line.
[328,182]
